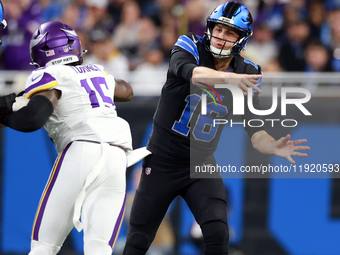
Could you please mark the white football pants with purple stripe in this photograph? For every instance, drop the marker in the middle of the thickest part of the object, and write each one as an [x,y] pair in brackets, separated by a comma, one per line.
[102,209]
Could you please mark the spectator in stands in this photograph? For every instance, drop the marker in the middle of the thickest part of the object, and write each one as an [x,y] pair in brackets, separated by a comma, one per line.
[71,16]
[326,29]
[273,66]
[292,14]
[291,53]
[148,78]
[147,37]
[295,10]
[104,52]
[330,36]
[165,9]
[317,58]
[150,9]
[167,38]
[52,9]
[114,9]
[126,32]
[134,34]
[84,39]
[316,17]
[23,18]
[83,12]
[98,16]
[272,12]
[262,46]
[196,14]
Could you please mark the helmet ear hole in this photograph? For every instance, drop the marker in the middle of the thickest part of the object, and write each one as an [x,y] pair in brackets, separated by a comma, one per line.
[45,48]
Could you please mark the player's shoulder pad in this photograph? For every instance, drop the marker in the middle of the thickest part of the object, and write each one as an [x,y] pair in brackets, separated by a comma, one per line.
[188,43]
[39,80]
[247,61]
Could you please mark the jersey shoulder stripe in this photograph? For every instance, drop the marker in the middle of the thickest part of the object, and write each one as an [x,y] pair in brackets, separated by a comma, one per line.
[189,44]
[251,63]
[40,82]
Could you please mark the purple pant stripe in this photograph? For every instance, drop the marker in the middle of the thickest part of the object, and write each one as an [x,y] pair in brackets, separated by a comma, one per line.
[117,225]
[47,193]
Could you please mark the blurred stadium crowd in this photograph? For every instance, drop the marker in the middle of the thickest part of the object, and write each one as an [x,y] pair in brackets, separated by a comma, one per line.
[128,35]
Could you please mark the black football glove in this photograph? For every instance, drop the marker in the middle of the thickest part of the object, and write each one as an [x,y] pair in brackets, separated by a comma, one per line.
[6,103]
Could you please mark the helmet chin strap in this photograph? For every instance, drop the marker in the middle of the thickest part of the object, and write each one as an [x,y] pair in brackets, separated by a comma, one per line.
[217,53]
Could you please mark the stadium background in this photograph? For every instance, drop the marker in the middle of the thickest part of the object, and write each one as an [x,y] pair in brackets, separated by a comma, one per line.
[266,215]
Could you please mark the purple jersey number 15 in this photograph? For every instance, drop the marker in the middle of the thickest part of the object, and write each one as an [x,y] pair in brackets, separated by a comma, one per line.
[97,81]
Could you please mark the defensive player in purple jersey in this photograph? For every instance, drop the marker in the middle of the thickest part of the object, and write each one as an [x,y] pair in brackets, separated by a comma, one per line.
[75,104]
[179,131]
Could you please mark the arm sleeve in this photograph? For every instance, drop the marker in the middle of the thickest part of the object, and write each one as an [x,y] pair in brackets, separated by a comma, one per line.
[182,64]
[6,103]
[31,117]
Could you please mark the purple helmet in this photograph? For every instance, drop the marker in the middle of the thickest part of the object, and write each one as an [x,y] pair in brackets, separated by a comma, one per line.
[55,43]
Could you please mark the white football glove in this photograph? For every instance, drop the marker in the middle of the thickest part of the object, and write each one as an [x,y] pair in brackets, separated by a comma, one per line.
[19,103]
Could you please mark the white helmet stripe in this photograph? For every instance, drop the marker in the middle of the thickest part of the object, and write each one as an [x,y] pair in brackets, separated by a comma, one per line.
[72,32]
[34,42]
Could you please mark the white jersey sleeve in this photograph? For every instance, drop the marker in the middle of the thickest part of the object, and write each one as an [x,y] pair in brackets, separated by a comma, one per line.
[85,110]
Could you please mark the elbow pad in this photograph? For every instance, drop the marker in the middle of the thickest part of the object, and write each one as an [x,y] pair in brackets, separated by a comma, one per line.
[31,117]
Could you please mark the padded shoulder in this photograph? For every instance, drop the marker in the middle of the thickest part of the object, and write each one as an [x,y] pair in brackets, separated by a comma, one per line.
[189,43]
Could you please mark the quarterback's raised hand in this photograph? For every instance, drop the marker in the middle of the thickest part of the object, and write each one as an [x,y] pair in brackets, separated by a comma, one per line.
[283,147]
[244,81]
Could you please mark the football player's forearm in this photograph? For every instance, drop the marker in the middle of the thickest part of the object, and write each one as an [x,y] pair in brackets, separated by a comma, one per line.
[207,76]
[31,117]
[123,91]
[203,75]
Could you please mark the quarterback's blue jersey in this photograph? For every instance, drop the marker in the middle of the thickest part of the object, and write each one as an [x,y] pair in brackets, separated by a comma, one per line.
[179,130]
